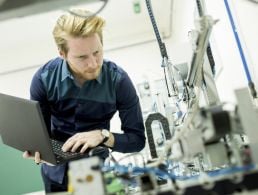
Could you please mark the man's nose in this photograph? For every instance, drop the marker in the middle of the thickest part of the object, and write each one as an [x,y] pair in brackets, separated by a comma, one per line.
[92,62]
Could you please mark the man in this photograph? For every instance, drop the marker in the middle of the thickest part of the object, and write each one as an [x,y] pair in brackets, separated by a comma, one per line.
[80,92]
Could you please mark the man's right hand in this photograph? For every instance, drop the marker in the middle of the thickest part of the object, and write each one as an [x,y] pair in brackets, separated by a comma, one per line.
[35,157]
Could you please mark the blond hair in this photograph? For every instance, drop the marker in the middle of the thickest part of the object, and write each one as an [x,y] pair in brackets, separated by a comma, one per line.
[73,25]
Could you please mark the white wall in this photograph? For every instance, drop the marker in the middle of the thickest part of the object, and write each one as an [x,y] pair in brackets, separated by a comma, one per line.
[27,42]
[143,61]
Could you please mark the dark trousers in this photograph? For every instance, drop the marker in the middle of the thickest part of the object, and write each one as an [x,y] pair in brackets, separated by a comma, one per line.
[52,186]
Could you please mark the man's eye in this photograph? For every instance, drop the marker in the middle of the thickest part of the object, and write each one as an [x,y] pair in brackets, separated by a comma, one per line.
[82,57]
[96,52]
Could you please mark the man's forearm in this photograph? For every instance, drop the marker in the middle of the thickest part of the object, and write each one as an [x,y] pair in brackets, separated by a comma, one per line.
[128,142]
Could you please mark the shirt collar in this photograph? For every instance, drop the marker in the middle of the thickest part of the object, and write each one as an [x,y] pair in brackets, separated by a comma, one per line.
[100,77]
[65,71]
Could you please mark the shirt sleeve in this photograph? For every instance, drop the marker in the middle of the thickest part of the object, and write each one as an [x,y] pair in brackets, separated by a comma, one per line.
[133,139]
[38,93]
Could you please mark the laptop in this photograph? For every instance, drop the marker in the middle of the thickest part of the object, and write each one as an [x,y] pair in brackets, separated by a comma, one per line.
[22,127]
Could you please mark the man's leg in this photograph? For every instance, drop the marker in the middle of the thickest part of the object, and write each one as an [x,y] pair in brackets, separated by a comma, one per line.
[52,186]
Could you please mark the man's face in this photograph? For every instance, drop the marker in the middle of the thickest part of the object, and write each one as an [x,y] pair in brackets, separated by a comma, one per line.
[84,56]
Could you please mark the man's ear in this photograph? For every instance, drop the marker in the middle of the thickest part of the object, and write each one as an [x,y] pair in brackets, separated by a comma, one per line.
[61,53]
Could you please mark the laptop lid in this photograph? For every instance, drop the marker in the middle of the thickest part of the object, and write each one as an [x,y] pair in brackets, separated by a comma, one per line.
[22,126]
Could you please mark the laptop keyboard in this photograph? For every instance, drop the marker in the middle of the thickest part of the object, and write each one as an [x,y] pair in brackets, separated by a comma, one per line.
[57,148]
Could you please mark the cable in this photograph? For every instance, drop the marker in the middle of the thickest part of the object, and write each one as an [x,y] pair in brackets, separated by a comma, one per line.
[240,49]
[133,155]
[166,81]
[165,59]
[162,46]
[135,170]
[93,14]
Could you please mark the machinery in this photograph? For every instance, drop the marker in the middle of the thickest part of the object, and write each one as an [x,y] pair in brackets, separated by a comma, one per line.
[191,149]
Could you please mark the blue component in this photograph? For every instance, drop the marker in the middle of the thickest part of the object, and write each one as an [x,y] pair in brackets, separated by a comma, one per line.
[234,29]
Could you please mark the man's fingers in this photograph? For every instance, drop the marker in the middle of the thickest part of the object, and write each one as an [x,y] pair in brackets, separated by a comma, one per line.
[77,145]
[68,144]
[84,148]
[27,155]
[37,158]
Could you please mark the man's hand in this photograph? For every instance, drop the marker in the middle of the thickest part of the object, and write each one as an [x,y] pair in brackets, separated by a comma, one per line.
[84,140]
[36,158]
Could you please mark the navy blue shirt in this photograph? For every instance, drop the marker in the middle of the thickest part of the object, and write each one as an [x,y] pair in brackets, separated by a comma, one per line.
[69,109]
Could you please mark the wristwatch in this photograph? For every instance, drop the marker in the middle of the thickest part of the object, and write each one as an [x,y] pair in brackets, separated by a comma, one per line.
[105,134]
